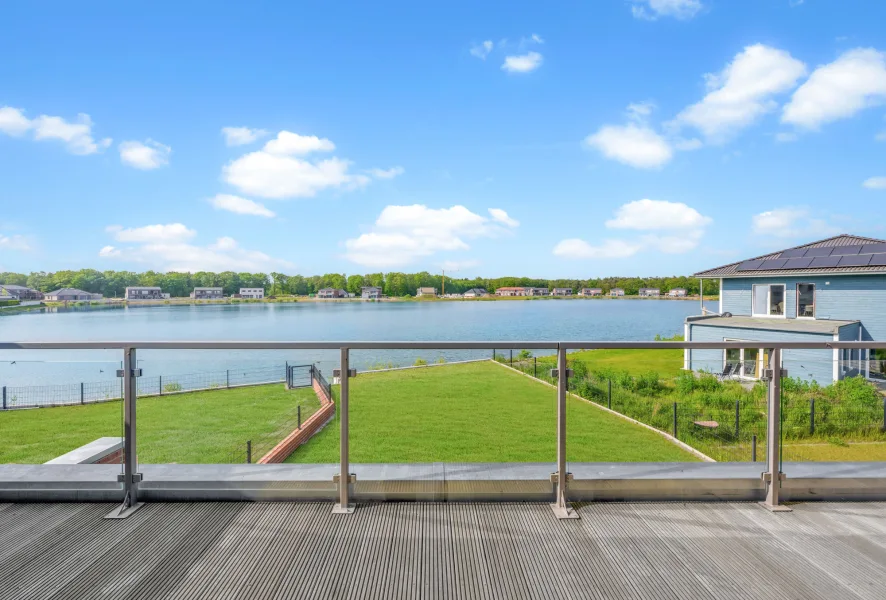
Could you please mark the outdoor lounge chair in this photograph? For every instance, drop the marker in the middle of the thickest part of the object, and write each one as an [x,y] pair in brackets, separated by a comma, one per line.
[728,370]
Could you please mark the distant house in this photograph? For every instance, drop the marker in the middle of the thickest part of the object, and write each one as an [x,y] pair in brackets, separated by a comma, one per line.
[561,292]
[144,293]
[328,293]
[207,293]
[252,293]
[538,291]
[511,291]
[830,290]
[677,293]
[650,292]
[5,296]
[426,291]
[590,292]
[20,292]
[475,293]
[616,292]
[71,295]
[371,292]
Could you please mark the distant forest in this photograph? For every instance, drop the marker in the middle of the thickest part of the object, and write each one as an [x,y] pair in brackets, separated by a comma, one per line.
[112,283]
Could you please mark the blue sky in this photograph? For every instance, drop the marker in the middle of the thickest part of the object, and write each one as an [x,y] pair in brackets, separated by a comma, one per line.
[616,137]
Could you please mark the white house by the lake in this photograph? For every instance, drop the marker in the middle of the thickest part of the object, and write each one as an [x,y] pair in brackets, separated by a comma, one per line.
[830,290]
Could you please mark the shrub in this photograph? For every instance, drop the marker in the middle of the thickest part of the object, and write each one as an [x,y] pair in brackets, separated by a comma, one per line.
[440,360]
[172,387]
[524,355]
[419,362]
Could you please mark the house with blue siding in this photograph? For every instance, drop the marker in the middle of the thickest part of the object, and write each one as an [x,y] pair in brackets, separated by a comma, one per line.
[830,290]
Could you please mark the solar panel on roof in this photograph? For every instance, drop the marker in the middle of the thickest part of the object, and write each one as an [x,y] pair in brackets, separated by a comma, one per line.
[819,252]
[795,253]
[749,265]
[798,263]
[874,248]
[845,250]
[856,260]
[825,261]
[878,260]
[772,263]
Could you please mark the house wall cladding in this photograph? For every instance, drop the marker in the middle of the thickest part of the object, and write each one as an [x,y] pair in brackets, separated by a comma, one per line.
[839,297]
[817,365]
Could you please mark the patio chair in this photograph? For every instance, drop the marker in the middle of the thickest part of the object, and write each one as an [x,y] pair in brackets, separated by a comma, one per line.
[727,371]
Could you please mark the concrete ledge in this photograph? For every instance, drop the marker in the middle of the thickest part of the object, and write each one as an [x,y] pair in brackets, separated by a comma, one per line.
[103,450]
[451,482]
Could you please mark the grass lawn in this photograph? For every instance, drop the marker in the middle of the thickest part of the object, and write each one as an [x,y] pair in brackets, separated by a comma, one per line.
[825,451]
[197,427]
[667,363]
[477,412]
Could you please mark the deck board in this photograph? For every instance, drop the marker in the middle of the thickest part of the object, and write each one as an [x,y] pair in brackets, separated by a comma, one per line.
[443,550]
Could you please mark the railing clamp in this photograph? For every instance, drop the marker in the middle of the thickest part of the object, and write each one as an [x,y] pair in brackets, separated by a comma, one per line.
[136,478]
[555,373]
[351,372]
[135,373]
[768,373]
[767,477]
[555,477]
[352,478]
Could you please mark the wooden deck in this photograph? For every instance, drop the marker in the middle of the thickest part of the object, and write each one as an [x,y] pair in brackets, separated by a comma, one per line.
[443,550]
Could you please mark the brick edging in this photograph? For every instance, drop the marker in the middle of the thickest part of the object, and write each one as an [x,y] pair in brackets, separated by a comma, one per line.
[311,426]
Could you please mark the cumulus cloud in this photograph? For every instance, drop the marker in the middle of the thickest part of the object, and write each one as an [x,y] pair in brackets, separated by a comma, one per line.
[635,145]
[145,156]
[402,234]
[853,82]
[482,49]
[524,63]
[651,10]
[77,135]
[282,169]
[742,92]
[790,222]
[239,136]
[386,173]
[14,242]
[167,248]
[670,227]
[240,206]
[875,183]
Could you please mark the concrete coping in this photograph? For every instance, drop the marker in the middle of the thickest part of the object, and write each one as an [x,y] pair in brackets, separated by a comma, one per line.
[91,453]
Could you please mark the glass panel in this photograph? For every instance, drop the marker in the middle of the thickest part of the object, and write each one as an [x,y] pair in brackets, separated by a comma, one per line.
[806,300]
[761,298]
[776,300]
[733,362]
[750,363]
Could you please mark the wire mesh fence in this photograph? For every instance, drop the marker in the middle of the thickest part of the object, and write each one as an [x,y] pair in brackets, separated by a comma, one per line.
[15,397]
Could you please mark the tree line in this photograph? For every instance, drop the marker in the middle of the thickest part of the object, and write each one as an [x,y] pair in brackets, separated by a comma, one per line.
[113,283]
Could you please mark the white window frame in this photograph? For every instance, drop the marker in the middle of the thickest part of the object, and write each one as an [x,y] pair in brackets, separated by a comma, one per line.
[814,300]
[741,359]
[769,286]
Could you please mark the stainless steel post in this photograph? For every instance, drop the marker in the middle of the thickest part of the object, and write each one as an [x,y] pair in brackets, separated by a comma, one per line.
[773,477]
[130,477]
[344,506]
[562,509]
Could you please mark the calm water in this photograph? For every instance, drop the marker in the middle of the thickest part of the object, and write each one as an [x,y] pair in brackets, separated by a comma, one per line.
[443,321]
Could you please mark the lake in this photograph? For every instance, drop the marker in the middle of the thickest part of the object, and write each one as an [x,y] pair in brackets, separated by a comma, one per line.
[536,320]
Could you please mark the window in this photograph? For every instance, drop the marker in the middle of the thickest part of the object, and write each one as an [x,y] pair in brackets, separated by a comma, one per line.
[806,300]
[769,300]
[877,364]
[743,361]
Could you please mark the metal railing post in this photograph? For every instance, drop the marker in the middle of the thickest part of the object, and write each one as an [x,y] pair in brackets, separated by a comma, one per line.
[675,419]
[812,416]
[562,509]
[344,506]
[227,378]
[130,478]
[4,397]
[248,452]
[773,476]
[81,392]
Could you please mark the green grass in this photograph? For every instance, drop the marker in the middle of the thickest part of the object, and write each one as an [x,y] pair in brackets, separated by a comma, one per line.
[478,412]
[667,363]
[198,427]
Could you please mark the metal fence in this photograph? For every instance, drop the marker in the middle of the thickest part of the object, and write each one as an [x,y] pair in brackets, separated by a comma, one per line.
[34,396]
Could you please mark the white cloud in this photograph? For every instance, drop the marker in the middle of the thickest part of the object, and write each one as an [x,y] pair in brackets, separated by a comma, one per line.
[853,82]
[881,137]
[687,144]
[502,217]
[146,156]
[633,145]
[238,136]
[386,173]
[14,242]
[742,92]
[276,172]
[580,249]
[240,206]
[653,9]
[482,49]
[639,112]
[452,266]
[875,183]
[657,214]
[402,234]
[288,143]
[76,135]
[790,222]
[152,233]
[170,251]
[786,136]
[525,63]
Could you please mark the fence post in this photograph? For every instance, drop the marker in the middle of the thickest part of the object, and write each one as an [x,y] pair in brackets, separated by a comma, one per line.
[161,385]
[493,354]
[286,379]
[248,452]
[535,366]
[343,506]
[812,416]
[512,357]
[299,416]
[754,448]
[4,397]
[130,479]
[227,378]
[81,392]
[736,419]
[884,413]
[773,475]
[562,509]
[610,393]
[675,419]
